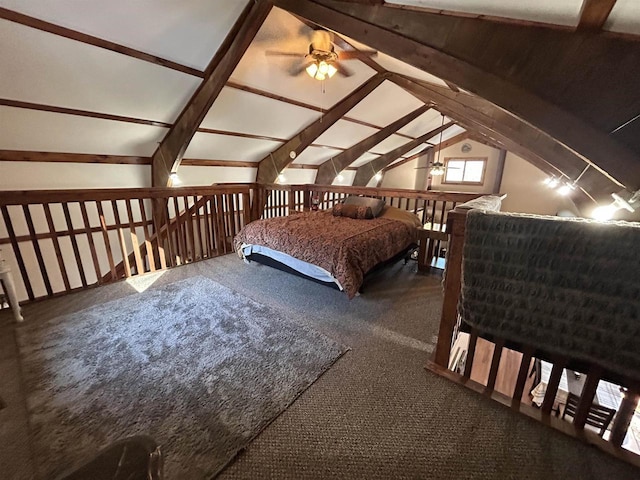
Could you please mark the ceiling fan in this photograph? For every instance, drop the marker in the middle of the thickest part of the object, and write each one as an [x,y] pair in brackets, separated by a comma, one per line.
[322,61]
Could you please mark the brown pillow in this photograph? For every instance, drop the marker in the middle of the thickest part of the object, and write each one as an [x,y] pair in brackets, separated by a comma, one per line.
[352,211]
[375,204]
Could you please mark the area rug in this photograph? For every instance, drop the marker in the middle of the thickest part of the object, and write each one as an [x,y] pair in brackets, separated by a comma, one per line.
[195,365]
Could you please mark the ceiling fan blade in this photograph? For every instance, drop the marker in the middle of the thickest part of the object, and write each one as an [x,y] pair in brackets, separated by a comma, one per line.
[297,68]
[351,54]
[275,53]
[342,70]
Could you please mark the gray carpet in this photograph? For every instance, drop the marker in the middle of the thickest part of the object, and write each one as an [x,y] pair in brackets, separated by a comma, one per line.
[376,414]
[195,365]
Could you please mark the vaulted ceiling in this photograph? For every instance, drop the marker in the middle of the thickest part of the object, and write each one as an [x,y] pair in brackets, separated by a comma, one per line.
[188,83]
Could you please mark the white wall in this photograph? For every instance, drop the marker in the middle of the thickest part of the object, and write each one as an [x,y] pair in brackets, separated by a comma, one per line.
[526,192]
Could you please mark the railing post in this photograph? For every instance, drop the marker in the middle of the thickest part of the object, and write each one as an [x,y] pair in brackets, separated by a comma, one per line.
[452,283]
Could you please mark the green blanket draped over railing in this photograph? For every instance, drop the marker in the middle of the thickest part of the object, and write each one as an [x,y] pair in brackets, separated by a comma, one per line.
[566,286]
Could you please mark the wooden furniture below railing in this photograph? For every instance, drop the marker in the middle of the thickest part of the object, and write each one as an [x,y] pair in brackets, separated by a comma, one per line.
[450,326]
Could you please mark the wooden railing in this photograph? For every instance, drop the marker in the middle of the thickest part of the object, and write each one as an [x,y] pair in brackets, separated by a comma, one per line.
[61,241]
[432,207]
[517,397]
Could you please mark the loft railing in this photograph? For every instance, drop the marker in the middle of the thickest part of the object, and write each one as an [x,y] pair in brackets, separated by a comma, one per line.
[62,241]
[432,207]
[519,358]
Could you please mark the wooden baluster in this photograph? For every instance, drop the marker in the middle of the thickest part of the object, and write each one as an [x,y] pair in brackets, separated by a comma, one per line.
[198,219]
[221,223]
[523,373]
[292,201]
[180,247]
[215,224]
[123,244]
[624,416]
[56,246]
[74,243]
[36,248]
[231,215]
[151,257]
[92,246]
[207,230]
[189,229]
[452,284]
[552,386]
[587,395]
[16,252]
[169,230]
[495,364]
[107,242]
[471,353]
[246,209]
[135,244]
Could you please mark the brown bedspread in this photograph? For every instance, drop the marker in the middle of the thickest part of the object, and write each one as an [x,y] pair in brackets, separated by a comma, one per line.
[345,247]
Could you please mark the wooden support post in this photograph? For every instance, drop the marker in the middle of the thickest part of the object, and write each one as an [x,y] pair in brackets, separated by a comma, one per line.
[452,284]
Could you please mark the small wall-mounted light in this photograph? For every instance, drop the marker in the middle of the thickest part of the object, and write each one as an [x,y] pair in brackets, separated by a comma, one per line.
[378,176]
[566,189]
[621,200]
[175,179]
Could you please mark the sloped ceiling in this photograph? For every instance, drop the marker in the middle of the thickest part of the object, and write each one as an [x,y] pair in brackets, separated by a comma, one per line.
[110,78]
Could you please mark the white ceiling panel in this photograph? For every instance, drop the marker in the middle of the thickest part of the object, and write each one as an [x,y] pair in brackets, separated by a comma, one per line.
[239,111]
[452,131]
[43,68]
[200,175]
[283,32]
[418,149]
[188,32]
[624,17]
[315,155]
[389,143]
[426,122]
[385,105]
[393,65]
[344,134]
[22,129]
[364,158]
[297,176]
[559,12]
[226,147]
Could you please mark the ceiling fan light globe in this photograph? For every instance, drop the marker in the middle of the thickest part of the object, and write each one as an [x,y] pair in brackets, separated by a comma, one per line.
[320,76]
[312,69]
[331,70]
[323,67]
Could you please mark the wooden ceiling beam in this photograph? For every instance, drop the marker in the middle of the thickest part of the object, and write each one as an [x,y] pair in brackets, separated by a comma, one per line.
[327,170]
[81,113]
[516,135]
[487,58]
[368,170]
[594,14]
[167,157]
[271,165]
[28,156]
[440,146]
[406,160]
[41,25]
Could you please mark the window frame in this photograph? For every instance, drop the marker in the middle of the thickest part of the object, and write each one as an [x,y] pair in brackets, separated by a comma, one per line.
[465,159]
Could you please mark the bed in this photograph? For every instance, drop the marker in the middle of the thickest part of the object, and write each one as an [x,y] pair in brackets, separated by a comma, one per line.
[333,250]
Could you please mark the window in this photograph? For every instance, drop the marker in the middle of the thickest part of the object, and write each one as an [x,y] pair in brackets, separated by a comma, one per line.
[464,170]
